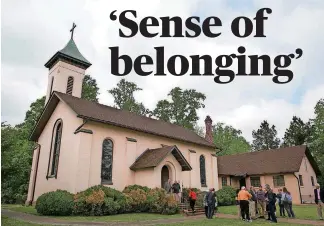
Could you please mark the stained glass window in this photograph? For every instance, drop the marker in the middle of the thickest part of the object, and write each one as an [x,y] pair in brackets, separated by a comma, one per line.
[55,152]
[107,161]
[202,171]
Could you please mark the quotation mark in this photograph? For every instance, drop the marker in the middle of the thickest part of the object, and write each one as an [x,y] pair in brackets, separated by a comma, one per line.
[113,16]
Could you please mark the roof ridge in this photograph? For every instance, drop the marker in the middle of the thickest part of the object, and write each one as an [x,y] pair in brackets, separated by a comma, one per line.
[262,151]
[142,116]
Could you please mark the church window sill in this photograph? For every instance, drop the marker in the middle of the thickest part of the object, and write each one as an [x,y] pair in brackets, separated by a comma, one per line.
[106,182]
[204,185]
[51,176]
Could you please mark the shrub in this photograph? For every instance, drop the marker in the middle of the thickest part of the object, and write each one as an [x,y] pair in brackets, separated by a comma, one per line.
[97,200]
[170,205]
[135,187]
[110,207]
[57,203]
[138,200]
[155,200]
[226,196]
[125,205]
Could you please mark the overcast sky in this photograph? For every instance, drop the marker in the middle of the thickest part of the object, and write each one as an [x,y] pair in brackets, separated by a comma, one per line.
[32,31]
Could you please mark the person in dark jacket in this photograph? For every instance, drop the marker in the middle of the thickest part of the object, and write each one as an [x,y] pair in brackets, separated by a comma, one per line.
[319,200]
[211,200]
[271,201]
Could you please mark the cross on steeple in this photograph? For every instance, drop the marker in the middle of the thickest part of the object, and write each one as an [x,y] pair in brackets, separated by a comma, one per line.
[72,30]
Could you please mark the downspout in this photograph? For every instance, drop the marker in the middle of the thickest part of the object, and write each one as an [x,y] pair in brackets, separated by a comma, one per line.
[300,196]
[36,170]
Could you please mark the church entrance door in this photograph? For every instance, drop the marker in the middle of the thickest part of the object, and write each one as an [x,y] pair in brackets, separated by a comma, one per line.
[164,175]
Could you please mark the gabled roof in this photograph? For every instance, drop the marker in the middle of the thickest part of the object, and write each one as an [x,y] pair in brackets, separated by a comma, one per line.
[282,160]
[104,114]
[69,53]
[153,157]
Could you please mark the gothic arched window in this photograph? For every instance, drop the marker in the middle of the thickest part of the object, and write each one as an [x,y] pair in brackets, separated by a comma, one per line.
[106,162]
[55,149]
[69,86]
[202,171]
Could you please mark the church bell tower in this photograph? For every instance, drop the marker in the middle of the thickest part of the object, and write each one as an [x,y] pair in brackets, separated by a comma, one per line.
[66,70]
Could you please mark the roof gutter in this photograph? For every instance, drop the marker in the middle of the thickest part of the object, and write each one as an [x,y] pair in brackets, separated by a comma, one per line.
[300,196]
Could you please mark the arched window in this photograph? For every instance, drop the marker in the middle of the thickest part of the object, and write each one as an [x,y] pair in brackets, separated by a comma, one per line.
[55,149]
[312,180]
[106,162]
[69,86]
[202,171]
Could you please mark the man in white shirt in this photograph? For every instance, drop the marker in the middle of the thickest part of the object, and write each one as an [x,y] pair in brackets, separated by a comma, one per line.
[319,200]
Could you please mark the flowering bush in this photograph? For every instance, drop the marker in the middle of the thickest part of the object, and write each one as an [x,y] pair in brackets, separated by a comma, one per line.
[100,200]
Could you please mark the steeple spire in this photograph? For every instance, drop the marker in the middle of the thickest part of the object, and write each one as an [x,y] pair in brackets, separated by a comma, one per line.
[70,53]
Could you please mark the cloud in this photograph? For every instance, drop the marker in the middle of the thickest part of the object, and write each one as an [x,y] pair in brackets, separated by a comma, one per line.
[33,31]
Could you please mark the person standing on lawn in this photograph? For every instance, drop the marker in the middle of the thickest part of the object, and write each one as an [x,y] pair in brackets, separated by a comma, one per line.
[260,196]
[243,197]
[210,199]
[319,200]
[252,202]
[205,203]
[286,200]
[271,200]
[281,206]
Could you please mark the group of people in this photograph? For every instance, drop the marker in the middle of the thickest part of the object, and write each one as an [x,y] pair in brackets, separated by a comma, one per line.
[255,203]
[174,188]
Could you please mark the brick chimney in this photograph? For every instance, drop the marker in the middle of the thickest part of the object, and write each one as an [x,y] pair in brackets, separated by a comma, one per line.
[209,132]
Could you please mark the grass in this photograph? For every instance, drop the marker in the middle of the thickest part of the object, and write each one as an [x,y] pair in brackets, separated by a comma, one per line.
[12,222]
[307,212]
[227,222]
[130,217]
[219,222]
[302,212]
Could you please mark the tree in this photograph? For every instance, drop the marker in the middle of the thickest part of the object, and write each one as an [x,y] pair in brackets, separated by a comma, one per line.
[124,97]
[17,150]
[199,130]
[90,89]
[182,109]
[298,132]
[15,164]
[317,137]
[229,140]
[265,138]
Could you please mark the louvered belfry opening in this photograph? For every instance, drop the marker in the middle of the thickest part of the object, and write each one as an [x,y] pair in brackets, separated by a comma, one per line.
[69,86]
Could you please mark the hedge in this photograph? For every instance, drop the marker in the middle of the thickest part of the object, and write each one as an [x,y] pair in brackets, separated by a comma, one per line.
[100,200]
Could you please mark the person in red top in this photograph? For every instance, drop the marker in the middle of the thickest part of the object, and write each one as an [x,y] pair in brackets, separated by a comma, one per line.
[192,199]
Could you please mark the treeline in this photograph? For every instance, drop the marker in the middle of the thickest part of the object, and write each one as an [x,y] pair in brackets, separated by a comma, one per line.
[179,107]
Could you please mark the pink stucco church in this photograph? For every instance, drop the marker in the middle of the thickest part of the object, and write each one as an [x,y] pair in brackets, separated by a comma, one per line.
[83,143]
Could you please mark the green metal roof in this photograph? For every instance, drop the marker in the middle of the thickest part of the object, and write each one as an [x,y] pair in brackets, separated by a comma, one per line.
[70,53]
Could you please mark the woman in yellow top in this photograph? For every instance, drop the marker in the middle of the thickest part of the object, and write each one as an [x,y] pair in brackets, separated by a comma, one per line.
[243,197]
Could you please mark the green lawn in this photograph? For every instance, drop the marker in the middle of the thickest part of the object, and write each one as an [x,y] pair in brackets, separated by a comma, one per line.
[228,222]
[302,212]
[5,221]
[308,212]
[119,217]
[219,222]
